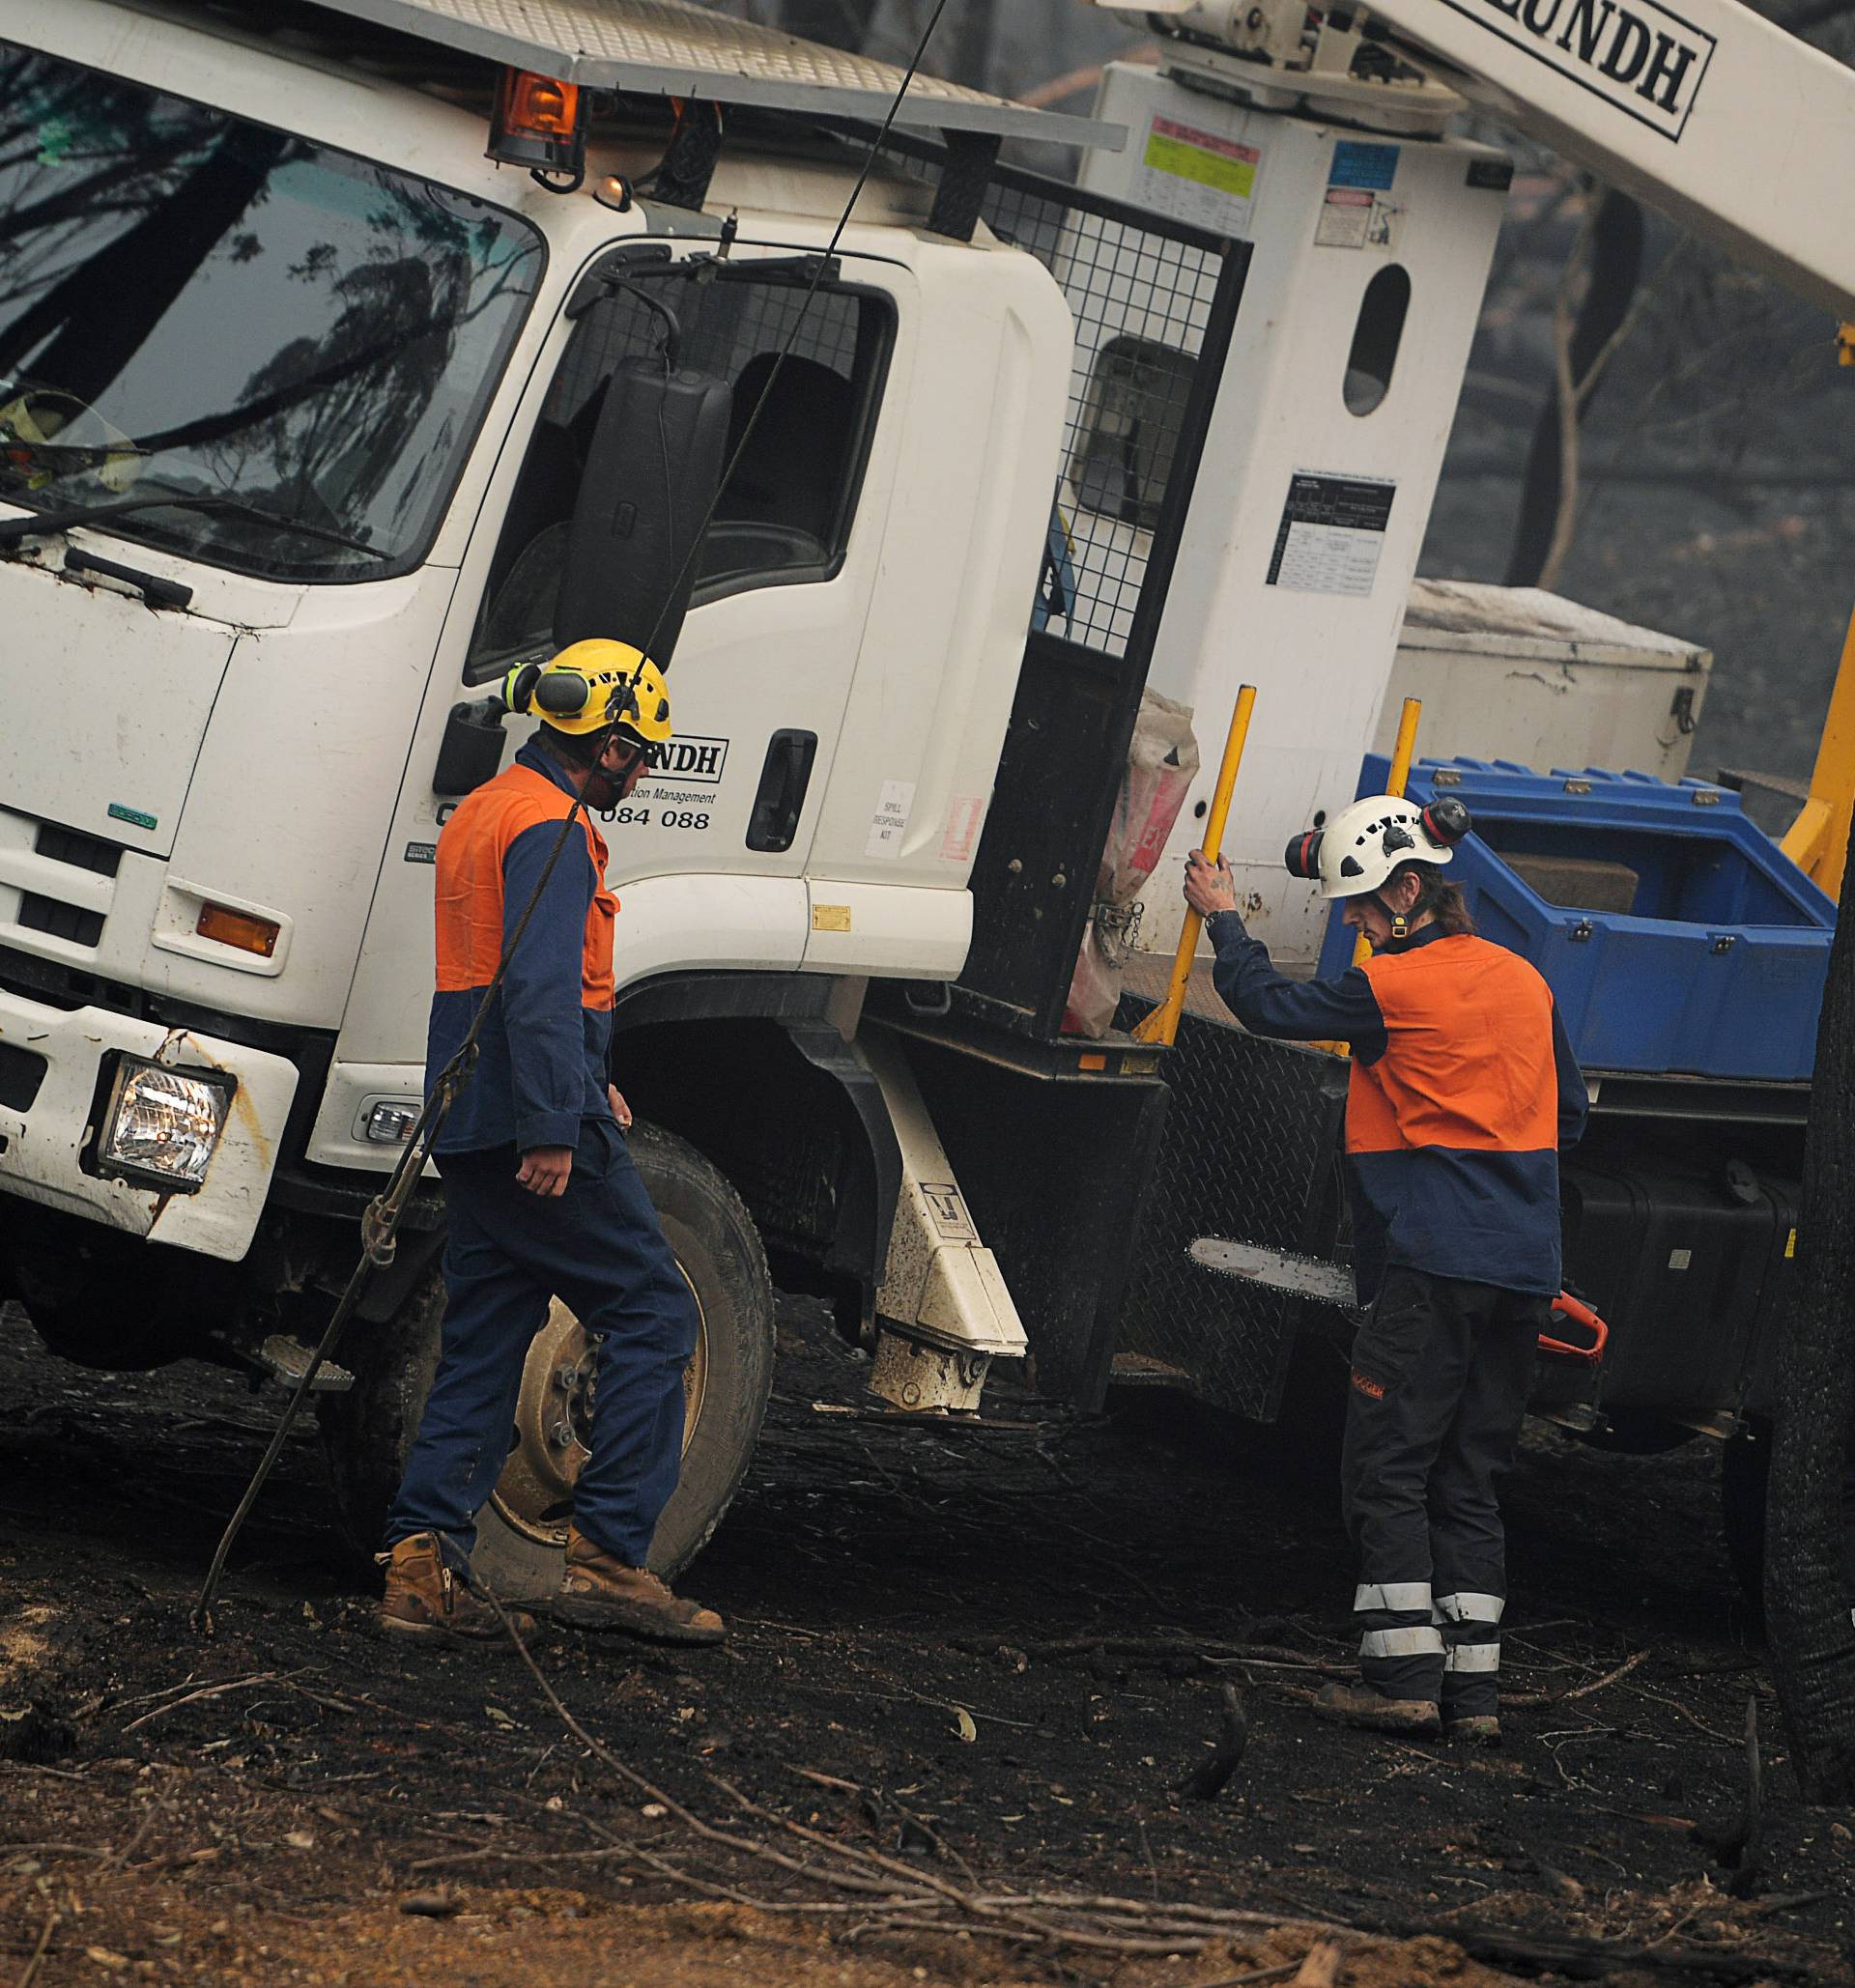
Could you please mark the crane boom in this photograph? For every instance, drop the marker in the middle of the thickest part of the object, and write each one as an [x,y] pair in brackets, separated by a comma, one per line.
[1716,116]
[1733,127]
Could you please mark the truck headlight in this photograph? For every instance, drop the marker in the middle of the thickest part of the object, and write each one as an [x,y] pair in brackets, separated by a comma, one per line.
[163,1125]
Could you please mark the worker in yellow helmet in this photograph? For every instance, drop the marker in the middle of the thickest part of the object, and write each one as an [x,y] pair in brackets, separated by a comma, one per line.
[543,1197]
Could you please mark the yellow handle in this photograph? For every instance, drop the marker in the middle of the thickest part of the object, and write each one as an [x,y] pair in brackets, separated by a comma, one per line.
[1162,1026]
[1400,776]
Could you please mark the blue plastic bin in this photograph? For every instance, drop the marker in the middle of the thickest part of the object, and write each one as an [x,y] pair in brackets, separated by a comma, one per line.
[1717,968]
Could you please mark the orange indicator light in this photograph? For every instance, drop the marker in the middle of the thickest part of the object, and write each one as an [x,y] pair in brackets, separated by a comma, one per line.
[239,928]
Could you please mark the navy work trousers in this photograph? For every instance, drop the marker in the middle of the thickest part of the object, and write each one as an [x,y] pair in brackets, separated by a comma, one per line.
[598,1247]
[1442,1371]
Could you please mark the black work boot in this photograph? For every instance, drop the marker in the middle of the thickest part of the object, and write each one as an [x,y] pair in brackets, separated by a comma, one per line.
[598,1591]
[1361,1705]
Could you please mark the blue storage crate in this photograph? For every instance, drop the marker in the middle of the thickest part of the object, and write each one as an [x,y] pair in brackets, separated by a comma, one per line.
[1717,967]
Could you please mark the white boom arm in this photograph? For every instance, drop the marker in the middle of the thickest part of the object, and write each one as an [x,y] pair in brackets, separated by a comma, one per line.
[1730,126]
[1725,122]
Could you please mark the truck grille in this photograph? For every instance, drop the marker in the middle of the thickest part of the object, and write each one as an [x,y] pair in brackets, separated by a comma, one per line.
[73,846]
[39,913]
[55,880]
[20,1074]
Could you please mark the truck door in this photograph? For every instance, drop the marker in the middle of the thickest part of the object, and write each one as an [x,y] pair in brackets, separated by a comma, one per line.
[710,856]
[782,582]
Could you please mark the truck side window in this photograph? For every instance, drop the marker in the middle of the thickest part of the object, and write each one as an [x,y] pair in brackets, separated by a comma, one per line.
[1130,425]
[784,515]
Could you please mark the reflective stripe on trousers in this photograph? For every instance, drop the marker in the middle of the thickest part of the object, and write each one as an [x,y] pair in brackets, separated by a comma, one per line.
[1472,1659]
[1446,1367]
[1401,1649]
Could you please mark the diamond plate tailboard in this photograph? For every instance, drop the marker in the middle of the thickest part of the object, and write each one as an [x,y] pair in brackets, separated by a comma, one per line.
[673,48]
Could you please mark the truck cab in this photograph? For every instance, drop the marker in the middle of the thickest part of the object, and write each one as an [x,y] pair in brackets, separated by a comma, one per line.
[300,397]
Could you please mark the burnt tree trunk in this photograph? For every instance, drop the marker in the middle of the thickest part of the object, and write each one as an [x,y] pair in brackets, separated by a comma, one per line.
[1806,1584]
[1617,266]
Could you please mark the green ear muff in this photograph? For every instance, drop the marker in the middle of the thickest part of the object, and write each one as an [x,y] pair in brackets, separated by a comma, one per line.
[518,687]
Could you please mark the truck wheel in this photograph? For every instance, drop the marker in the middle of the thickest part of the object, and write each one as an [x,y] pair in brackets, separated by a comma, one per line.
[1745,1486]
[75,1302]
[522,1532]
[1745,1478]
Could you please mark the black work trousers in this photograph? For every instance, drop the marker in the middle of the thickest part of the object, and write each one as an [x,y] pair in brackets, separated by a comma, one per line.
[1442,1371]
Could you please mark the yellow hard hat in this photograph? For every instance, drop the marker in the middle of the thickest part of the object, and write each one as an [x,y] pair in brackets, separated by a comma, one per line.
[592,685]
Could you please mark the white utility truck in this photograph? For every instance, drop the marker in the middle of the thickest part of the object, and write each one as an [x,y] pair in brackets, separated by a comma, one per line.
[314,420]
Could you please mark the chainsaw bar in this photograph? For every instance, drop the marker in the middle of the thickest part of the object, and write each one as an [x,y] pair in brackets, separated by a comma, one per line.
[1278,1269]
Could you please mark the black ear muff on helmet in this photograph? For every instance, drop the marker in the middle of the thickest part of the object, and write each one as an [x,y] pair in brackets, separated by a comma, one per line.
[1445,821]
[561,693]
[1303,856]
[536,689]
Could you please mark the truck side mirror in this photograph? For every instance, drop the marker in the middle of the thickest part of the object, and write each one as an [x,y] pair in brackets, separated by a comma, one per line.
[652,474]
[471,752]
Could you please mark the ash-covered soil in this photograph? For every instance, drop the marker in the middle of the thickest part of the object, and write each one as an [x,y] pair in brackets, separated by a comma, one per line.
[969,1669]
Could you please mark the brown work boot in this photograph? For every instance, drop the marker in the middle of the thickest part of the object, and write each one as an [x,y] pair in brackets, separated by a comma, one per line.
[425,1597]
[1473,1728]
[1361,1705]
[600,1591]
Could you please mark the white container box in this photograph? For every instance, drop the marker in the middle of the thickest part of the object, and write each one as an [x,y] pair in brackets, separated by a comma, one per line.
[1514,674]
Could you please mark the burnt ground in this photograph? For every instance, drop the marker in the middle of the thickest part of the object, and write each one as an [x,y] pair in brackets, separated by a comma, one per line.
[981,1656]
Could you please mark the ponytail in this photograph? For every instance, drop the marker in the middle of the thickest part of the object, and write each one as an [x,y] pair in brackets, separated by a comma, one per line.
[1444,902]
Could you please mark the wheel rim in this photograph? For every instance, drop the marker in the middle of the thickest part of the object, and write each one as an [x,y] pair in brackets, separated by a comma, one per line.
[554,1422]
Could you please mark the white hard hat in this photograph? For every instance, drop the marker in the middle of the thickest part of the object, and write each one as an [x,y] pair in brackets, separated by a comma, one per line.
[1364,843]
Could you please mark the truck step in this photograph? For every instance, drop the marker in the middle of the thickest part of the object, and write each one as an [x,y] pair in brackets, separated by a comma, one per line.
[1138,1369]
[287,1359]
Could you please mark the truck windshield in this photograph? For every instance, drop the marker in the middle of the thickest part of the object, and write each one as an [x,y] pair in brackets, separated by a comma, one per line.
[193,305]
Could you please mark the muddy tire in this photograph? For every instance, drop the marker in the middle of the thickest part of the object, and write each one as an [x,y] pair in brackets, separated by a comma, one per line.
[1745,1475]
[1744,1496]
[522,1532]
[74,1296]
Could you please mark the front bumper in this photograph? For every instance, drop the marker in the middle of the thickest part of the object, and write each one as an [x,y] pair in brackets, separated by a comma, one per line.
[40,1142]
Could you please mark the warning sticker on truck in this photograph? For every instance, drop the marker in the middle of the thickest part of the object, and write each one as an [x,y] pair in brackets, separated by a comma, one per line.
[1197,177]
[1358,164]
[889,823]
[1331,533]
[1351,218]
[947,1211]
[965,814]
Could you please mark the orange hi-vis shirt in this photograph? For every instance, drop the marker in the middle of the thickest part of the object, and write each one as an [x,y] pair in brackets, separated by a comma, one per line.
[1467,1061]
[543,1050]
[1463,1089]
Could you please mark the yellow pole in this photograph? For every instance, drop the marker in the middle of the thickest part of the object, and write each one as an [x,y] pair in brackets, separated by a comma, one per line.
[1162,1026]
[1818,840]
[1401,754]
[1401,751]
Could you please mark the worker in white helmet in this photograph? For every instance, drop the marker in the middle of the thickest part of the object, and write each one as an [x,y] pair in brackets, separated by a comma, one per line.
[1464,1088]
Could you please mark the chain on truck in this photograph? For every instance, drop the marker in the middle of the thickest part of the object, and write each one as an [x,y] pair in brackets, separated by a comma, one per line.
[315,420]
